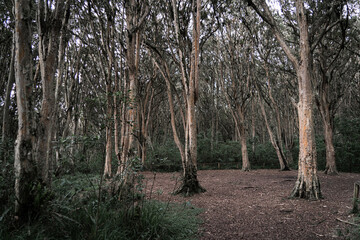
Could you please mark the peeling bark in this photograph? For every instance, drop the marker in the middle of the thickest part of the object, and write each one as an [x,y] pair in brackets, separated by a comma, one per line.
[307,184]
[48,47]
[24,164]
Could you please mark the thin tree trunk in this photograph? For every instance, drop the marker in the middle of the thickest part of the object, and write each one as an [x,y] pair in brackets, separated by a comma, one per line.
[5,120]
[283,163]
[330,167]
[109,129]
[243,141]
[166,76]
[323,104]
[253,128]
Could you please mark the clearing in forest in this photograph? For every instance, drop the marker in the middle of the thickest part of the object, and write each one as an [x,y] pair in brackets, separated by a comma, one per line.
[255,204]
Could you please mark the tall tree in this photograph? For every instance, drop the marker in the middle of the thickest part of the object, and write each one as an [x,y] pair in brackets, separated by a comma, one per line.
[25,165]
[189,68]
[330,67]
[307,184]
[51,24]
[136,15]
[234,78]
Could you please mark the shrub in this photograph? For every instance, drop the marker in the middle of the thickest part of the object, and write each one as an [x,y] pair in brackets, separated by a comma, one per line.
[80,211]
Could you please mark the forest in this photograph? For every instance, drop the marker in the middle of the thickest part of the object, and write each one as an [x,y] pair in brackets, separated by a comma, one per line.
[99,98]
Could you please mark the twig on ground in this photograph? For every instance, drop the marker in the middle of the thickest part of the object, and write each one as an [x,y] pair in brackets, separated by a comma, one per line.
[354,224]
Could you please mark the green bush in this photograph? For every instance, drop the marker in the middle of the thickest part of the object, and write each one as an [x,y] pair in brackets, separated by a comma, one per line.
[79,212]
[264,156]
[164,157]
[347,147]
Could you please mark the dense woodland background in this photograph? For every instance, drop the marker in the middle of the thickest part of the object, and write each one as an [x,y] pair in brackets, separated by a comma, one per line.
[110,83]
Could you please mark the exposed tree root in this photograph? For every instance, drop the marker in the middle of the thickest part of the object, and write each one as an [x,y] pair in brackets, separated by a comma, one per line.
[331,171]
[307,192]
[285,169]
[190,186]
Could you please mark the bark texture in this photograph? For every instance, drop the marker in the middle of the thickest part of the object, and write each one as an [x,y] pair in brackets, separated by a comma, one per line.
[49,42]
[307,184]
[190,83]
[25,166]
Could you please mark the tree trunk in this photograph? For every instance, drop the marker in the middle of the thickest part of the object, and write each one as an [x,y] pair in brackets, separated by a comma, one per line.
[48,50]
[190,183]
[5,120]
[253,128]
[108,130]
[283,163]
[307,184]
[25,166]
[243,141]
[135,17]
[323,103]
[330,150]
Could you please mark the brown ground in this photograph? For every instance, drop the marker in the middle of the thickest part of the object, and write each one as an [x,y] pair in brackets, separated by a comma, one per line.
[254,205]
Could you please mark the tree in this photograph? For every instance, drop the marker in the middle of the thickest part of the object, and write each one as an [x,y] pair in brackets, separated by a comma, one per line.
[51,24]
[25,164]
[307,184]
[234,79]
[7,79]
[135,18]
[330,68]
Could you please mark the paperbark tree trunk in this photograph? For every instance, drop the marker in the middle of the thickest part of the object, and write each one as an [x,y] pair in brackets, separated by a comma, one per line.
[190,183]
[330,167]
[24,164]
[108,44]
[307,184]
[49,37]
[135,17]
[243,141]
[282,161]
[327,116]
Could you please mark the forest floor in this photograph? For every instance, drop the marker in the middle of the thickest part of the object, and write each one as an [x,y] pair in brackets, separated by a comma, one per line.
[255,204]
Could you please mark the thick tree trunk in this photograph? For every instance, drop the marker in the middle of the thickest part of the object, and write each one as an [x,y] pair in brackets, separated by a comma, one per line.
[307,184]
[24,164]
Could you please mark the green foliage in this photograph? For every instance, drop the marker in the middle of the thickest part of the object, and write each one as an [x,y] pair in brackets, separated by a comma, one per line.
[320,152]
[222,151]
[164,157]
[347,147]
[80,211]
[82,154]
[264,156]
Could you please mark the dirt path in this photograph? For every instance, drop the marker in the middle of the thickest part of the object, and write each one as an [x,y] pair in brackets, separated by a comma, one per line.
[254,205]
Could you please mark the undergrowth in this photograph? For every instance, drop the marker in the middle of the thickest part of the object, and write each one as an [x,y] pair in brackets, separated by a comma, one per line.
[80,211]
